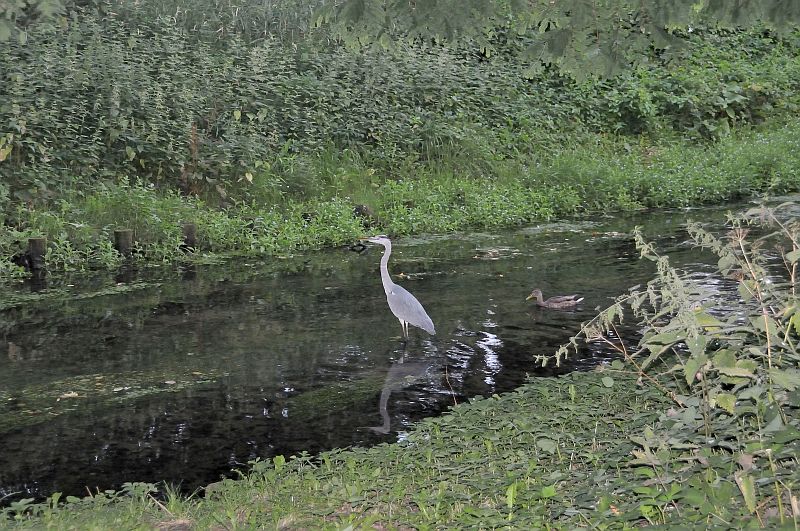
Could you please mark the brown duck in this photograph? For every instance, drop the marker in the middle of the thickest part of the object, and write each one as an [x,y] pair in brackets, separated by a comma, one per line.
[559,302]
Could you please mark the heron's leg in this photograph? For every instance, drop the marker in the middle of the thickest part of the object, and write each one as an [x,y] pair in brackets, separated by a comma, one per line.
[404,326]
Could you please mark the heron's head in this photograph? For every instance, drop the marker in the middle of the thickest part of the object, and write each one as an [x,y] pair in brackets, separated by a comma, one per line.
[535,294]
[381,239]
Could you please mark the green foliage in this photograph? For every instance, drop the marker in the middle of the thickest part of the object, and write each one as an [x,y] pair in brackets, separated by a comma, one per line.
[17,15]
[257,128]
[731,366]
[580,37]
[80,229]
[103,96]
[269,216]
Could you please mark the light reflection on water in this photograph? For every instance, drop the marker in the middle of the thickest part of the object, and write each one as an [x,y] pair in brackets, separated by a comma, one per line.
[186,378]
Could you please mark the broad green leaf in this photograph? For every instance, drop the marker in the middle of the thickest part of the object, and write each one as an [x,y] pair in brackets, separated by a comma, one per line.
[658,344]
[726,262]
[724,358]
[608,381]
[733,380]
[693,496]
[5,152]
[749,365]
[748,489]
[793,257]
[549,491]
[707,320]
[787,435]
[795,321]
[765,324]
[548,445]
[789,379]
[665,338]
[655,352]
[746,290]
[697,345]
[693,365]
[726,401]
[736,372]
[774,425]
[752,392]
[5,30]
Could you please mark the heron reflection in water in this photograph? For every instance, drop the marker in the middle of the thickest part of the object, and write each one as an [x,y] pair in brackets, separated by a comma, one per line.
[401,374]
[403,304]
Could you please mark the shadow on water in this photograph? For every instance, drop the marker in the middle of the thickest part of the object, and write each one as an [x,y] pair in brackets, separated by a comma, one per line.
[185,376]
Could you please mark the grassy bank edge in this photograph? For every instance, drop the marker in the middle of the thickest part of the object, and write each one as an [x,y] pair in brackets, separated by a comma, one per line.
[553,452]
[605,175]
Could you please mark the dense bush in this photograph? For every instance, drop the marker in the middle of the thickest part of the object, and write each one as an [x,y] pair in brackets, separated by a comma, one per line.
[148,96]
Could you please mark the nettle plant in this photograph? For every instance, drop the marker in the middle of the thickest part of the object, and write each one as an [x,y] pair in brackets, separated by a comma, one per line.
[724,348]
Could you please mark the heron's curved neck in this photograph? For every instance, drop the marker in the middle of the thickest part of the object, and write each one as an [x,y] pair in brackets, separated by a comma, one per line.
[387,280]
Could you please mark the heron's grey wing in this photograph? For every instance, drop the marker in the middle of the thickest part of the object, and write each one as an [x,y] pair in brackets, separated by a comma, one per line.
[407,308]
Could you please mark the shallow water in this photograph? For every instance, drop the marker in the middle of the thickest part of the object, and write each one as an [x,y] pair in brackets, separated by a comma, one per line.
[190,374]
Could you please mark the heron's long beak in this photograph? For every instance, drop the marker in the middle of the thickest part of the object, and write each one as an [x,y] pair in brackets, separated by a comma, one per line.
[529,297]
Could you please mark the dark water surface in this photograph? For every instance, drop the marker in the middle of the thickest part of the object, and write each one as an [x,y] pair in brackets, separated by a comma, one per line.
[188,375]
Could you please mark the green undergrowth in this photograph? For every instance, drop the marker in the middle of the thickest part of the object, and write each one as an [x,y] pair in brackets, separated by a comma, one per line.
[266,216]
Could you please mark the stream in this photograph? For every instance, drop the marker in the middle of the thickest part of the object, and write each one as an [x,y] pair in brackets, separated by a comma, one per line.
[185,375]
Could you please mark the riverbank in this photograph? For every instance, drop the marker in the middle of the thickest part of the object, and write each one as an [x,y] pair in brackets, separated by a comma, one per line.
[602,175]
[337,141]
[555,450]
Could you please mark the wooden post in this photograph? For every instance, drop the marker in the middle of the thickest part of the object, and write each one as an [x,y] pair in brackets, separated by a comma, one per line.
[123,241]
[37,248]
[189,236]
[125,274]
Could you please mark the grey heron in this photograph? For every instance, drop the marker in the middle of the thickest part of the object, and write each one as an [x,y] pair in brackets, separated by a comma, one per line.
[559,302]
[403,304]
